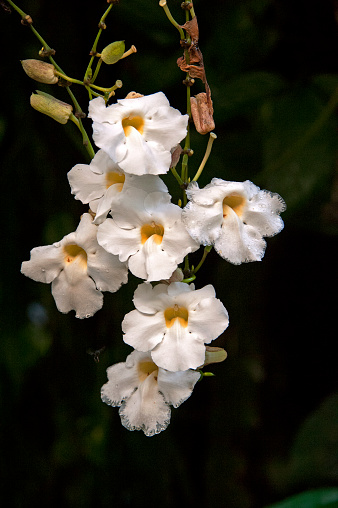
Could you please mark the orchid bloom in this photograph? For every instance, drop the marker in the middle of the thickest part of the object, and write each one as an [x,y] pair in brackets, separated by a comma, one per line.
[174,322]
[144,391]
[78,268]
[148,233]
[138,133]
[101,182]
[233,217]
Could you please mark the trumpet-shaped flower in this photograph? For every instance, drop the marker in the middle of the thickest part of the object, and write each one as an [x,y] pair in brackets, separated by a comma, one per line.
[139,133]
[174,322]
[78,268]
[147,231]
[101,182]
[144,391]
[233,217]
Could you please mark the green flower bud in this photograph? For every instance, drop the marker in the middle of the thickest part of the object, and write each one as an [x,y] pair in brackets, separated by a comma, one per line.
[214,355]
[42,72]
[113,52]
[48,105]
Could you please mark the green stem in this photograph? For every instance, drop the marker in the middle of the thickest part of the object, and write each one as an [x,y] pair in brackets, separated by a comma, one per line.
[206,251]
[99,63]
[212,138]
[78,109]
[163,4]
[176,175]
[93,51]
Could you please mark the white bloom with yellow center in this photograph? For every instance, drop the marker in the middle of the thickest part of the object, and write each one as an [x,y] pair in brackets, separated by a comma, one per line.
[147,231]
[78,268]
[139,133]
[144,391]
[233,217]
[101,182]
[174,322]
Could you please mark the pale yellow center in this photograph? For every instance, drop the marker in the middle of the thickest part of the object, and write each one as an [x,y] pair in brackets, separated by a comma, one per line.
[144,369]
[73,252]
[235,202]
[176,312]
[136,122]
[153,229]
[113,178]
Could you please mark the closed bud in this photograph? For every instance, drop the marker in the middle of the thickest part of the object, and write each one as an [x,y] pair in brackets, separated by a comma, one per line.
[42,72]
[113,52]
[214,355]
[48,105]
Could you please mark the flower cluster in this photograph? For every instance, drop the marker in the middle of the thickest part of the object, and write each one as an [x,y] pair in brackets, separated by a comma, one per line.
[133,225]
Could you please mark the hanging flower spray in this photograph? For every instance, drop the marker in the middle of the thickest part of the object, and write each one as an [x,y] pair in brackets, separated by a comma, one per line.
[133,225]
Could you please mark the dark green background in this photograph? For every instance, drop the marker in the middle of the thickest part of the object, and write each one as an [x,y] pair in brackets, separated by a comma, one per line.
[266,426]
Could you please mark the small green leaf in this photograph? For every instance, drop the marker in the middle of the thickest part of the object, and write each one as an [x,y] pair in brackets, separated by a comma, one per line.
[113,52]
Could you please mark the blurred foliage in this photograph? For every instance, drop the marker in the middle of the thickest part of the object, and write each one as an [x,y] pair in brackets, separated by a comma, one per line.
[265,427]
[313,499]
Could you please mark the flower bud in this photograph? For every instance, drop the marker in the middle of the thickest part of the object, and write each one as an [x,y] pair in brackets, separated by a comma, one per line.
[113,52]
[42,72]
[214,355]
[48,105]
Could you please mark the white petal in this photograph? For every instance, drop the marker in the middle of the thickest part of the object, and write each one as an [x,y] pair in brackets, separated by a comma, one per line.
[239,243]
[143,157]
[177,243]
[85,184]
[158,206]
[179,349]
[148,183]
[118,241]
[146,409]
[144,104]
[177,387]
[203,222]
[103,206]
[149,300]
[208,320]
[45,264]
[122,382]
[177,288]
[151,262]
[263,213]
[74,290]
[108,272]
[143,332]
[167,127]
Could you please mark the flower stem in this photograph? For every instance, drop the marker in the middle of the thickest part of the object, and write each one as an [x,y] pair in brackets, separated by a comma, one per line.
[93,50]
[163,3]
[212,138]
[59,71]
[207,249]
[176,175]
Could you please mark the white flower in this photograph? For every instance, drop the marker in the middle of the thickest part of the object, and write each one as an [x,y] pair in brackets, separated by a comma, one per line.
[234,217]
[174,322]
[138,134]
[78,268]
[101,182]
[147,231]
[144,392]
